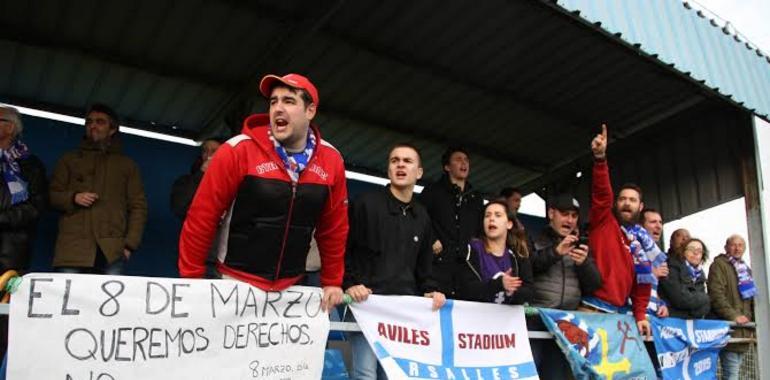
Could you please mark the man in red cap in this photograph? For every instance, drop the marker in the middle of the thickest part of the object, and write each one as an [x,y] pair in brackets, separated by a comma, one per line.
[265,193]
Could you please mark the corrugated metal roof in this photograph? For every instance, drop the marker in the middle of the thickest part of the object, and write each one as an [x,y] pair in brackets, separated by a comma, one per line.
[687,163]
[522,84]
[681,36]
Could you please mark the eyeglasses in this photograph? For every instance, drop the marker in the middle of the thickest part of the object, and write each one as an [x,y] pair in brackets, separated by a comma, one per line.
[694,250]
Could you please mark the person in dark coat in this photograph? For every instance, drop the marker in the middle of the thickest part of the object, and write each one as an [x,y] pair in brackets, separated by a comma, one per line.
[497,267]
[183,191]
[388,250]
[563,268]
[23,193]
[98,191]
[184,188]
[684,289]
[455,211]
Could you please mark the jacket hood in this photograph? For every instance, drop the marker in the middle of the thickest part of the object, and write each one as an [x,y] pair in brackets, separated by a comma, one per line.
[257,127]
[116,145]
[723,257]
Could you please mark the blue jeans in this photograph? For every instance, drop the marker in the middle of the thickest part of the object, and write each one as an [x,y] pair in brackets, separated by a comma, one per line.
[731,364]
[365,364]
[114,269]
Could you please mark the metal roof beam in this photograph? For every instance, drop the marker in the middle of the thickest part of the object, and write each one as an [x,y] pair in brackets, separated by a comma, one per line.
[80,112]
[334,111]
[430,68]
[562,167]
[52,42]
[298,29]
[425,66]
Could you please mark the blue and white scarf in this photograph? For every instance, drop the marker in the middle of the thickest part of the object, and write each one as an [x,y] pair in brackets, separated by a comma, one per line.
[745,282]
[9,165]
[695,273]
[295,163]
[645,253]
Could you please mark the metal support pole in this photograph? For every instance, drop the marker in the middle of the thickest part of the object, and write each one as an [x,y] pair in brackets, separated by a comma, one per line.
[752,188]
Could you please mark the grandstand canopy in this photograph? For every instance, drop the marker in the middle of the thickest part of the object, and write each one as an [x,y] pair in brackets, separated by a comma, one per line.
[523,85]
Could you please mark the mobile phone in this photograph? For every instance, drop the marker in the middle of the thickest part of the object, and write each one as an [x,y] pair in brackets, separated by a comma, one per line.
[582,240]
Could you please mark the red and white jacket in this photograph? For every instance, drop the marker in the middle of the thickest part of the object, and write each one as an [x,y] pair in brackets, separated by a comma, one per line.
[264,220]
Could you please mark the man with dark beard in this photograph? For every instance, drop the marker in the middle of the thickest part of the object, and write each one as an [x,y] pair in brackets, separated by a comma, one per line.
[619,245]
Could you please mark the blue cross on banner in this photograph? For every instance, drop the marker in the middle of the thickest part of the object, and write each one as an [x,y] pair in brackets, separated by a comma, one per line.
[688,349]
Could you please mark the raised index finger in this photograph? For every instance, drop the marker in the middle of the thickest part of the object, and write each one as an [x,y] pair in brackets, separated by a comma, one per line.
[604,131]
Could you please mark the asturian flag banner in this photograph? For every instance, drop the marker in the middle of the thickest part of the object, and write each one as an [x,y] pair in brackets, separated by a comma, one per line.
[688,349]
[462,340]
[600,346]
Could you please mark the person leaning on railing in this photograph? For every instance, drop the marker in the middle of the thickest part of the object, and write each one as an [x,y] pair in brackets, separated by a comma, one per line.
[684,289]
[23,193]
[497,267]
[731,290]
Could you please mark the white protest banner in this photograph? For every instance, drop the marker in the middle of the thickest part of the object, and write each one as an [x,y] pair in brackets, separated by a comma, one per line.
[463,340]
[87,327]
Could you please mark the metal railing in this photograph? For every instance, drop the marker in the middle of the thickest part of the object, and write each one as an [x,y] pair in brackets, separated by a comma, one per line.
[748,369]
[748,366]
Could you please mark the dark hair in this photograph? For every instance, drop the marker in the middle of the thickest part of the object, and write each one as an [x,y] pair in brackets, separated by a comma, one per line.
[303,94]
[679,252]
[217,140]
[507,192]
[220,140]
[632,186]
[407,145]
[107,110]
[649,210]
[516,238]
[449,152]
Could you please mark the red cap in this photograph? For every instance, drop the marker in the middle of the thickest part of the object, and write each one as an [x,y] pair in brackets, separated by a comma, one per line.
[292,80]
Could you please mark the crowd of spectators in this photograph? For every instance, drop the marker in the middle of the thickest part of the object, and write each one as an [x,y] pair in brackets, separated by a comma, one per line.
[253,205]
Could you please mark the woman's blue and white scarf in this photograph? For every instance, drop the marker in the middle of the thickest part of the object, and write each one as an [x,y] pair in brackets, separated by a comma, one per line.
[695,273]
[295,163]
[745,282]
[645,253]
[9,165]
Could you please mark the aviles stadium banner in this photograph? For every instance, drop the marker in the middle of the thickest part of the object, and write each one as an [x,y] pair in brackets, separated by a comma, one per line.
[600,346]
[462,340]
[73,327]
[688,349]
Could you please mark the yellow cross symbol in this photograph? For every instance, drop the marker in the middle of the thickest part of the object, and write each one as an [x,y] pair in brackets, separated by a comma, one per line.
[605,367]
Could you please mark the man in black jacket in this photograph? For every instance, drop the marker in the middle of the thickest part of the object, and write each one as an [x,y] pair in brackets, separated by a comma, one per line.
[389,248]
[23,193]
[183,190]
[563,269]
[456,211]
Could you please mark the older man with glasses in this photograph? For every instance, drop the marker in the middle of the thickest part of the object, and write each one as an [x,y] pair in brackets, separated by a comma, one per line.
[23,195]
